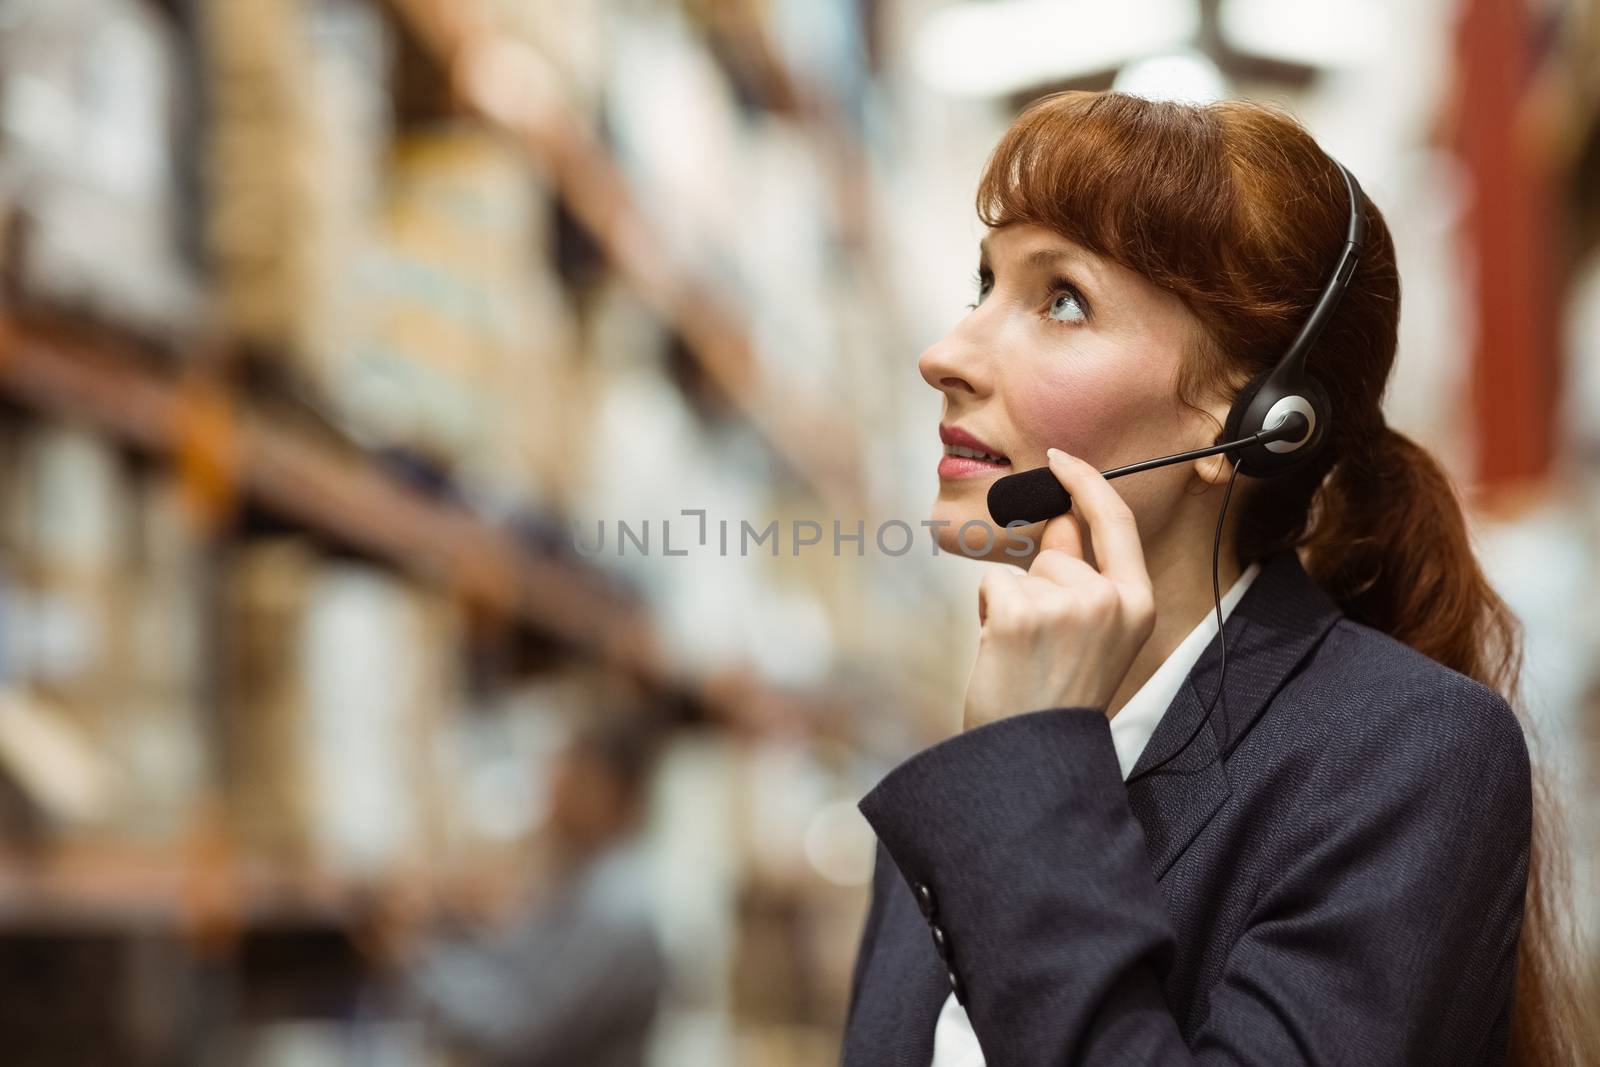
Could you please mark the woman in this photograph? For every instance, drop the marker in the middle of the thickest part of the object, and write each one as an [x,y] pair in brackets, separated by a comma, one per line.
[1341,863]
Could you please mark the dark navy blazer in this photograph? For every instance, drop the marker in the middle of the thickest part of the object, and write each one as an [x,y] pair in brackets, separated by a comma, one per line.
[1333,874]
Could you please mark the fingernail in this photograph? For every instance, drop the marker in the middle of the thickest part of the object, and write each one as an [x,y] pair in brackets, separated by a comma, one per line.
[1054,453]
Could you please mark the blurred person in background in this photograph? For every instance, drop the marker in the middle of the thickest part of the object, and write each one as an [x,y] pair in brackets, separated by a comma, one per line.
[575,973]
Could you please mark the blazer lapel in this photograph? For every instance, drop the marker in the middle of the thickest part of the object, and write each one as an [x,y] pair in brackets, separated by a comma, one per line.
[1277,622]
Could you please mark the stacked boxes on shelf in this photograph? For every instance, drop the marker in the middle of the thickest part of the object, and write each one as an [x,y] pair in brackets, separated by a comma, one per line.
[88,187]
[461,347]
[341,683]
[100,597]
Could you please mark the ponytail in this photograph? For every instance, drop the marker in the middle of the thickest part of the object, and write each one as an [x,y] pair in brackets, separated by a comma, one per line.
[1388,540]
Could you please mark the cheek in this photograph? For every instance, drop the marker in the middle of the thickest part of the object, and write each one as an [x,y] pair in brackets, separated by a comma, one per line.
[1082,408]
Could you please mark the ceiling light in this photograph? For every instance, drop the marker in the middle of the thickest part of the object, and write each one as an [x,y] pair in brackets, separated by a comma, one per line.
[996,47]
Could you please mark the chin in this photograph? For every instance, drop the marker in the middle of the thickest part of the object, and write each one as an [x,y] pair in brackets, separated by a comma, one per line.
[966,502]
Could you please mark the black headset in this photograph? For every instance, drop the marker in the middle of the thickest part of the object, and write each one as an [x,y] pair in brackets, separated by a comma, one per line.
[1278,422]
[1268,400]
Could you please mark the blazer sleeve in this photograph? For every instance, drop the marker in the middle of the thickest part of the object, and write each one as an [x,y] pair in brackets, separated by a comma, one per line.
[1387,935]
[882,872]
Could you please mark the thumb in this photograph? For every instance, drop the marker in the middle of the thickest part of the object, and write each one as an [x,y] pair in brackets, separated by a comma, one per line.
[1064,534]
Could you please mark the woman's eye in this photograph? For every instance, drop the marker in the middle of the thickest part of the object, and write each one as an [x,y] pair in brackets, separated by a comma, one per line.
[984,284]
[1067,306]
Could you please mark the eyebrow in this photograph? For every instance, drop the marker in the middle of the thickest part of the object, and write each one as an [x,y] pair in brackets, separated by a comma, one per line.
[1048,257]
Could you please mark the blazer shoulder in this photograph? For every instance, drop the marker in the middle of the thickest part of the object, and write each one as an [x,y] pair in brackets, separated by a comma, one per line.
[1385,691]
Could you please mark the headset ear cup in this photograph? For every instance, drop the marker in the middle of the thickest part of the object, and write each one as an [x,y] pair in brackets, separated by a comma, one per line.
[1312,390]
[1259,461]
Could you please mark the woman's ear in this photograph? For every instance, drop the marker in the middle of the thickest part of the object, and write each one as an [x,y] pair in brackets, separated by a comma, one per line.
[1215,470]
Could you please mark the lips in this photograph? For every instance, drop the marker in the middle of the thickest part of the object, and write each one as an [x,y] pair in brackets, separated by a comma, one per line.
[967,455]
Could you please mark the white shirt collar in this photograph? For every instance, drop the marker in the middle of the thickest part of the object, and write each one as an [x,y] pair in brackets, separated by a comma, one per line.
[1132,726]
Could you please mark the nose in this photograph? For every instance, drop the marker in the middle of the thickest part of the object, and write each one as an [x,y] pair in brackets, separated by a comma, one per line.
[954,363]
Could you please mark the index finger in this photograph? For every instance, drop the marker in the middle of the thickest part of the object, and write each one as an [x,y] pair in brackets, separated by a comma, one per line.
[1113,533]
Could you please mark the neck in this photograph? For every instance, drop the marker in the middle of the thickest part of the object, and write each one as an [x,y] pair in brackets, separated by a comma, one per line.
[1181,581]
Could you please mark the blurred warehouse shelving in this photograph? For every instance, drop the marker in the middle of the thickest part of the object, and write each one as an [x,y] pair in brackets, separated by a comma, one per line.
[338,495]
[509,83]
[302,301]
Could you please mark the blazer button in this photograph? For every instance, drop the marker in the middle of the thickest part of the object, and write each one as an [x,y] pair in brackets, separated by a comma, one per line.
[925,899]
[941,943]
[956,988]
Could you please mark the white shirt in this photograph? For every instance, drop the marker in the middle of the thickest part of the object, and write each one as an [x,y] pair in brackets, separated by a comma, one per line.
[954,1043]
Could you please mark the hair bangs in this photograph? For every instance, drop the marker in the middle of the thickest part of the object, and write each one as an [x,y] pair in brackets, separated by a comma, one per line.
[1144,183]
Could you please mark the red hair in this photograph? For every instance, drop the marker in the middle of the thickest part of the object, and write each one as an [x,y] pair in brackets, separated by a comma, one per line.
[1234,208]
